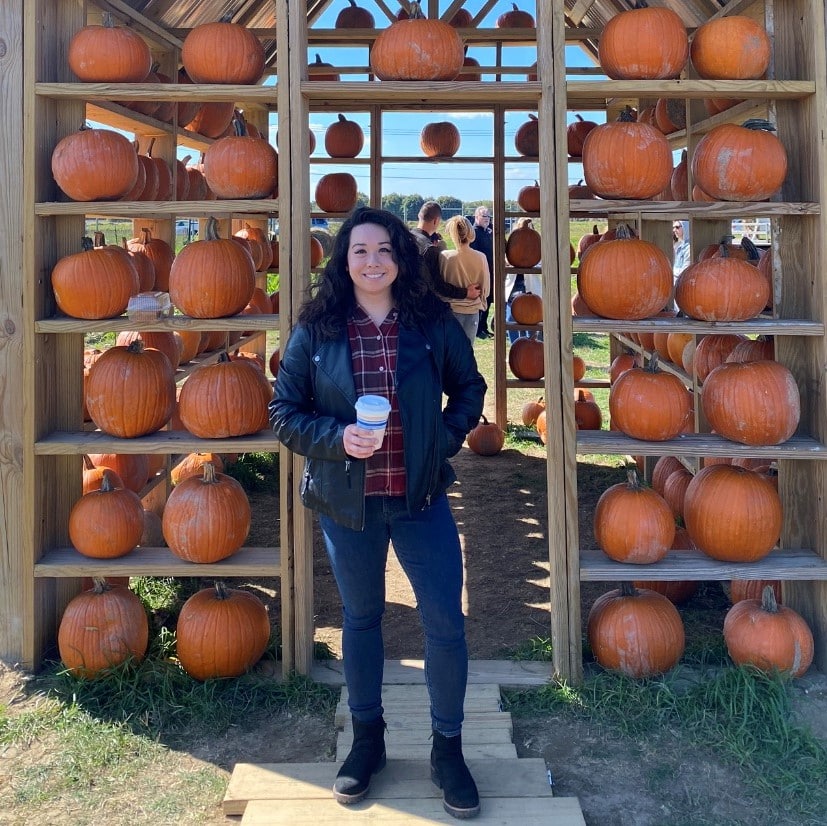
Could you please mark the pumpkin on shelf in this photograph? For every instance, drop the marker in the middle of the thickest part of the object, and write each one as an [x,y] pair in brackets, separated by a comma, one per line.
[576,133]
[578,368]
[318,63]
[753,589]
[109,54]
[761,348]
[515,18]
[274,362]
[732,514]
[677,591]
[344,138]
[650,404]
[674,490]
[354,17]
[213,277]
[527,138]
[93,476]
[131,468]
[527,308]
[526,359]
[206,517]
[711,352]
[587,240]
[162,340]
[417,49]
[580,191]
[470,67]
[531,410]
[664,467]
[487,438]
[621,363]
[636,632]
[528,198]
[440,139]
[734,47]
[159,252]
[670,115]
[587,414]
[223,52]
[192,465]
[740,163]
[643,44]
[523,246]
[633,523]
[336,192]
[102,628]
[769,636]
[106,523]
[212,119]
[241,166]
[131,391]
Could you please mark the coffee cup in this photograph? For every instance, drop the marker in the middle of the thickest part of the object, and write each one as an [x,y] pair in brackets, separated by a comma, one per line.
[372,414]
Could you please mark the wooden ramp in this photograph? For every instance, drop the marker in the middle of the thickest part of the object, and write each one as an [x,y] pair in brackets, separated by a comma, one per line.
[513,792]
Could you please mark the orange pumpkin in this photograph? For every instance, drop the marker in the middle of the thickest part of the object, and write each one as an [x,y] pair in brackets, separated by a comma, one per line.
[578,365]
[354,17]
[336,192]
[576,133]
[487,438]
[633,523]
[159,252]
[417,49]
[676,591]
[620,364]
[542,426]
[102,628]
[528,198]
[761,348]
[526,359]
[162,340]
[527,308]
[344,138]
[213,119]
[131,468]
[109,54]
[674,490]
[223,52]
[439,140]
[515,18]
[318,63]
[523,247]
[734,47]
[664,467]
[587,414]
[527,138]
[711,352]
[753,589]
[241,166]
[531,410]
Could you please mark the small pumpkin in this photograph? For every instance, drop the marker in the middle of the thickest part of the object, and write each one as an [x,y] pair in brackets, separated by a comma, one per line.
[487,438]
[711,352]
[576,133]
[523,247]
[131,468]
[677,591]
[542,426]
[336,192]
[353,16]
[159,252]
[527,138]
[578,367]
[223,52]
[753,589]
[528,198]
[527,308]
[526,359]
[344,138]
[531,410]
[318,63]
[440,139]
[587,413]
[515,18]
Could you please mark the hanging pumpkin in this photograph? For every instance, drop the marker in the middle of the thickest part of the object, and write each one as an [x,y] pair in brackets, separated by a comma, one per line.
[223,52]
[587,414]
[734,47]
[643,44]
[221,632]
[527,308]
[439,140]
[768,636]
[336,192]
[354,17]
[633,523]
[227,398]
[344,138]
[754,403]
[576,133]
[212,277]
[676,591]
[638,633]
[206,517]
[102,628]
[740,163]
[626,278]
[732,514]
[417,49]
[131,391]
[531,410]
[95,165]
[523,247]
[487,438]
[109,54]
[108,522]
[528,198]
[526,359]
[527,138]
[650,404]
[241,166]
[626,159]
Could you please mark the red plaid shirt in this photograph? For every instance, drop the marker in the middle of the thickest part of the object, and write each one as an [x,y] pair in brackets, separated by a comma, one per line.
[373,353]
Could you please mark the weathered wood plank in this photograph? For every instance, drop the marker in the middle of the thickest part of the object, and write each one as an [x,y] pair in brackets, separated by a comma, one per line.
[159,209]
[619,209]
[763,325]
[416,713]
[62,443]
[402,750]
[416,692]
[63,324]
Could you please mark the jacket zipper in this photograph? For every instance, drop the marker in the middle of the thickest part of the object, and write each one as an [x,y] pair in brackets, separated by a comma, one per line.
[347,472]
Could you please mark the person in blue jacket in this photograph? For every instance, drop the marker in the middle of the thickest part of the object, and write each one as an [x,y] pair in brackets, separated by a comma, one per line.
[372,326]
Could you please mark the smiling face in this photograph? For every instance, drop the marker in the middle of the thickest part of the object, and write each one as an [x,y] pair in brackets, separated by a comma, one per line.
[370,262]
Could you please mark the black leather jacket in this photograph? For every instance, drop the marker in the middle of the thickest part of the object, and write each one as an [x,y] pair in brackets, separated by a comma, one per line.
[313,403]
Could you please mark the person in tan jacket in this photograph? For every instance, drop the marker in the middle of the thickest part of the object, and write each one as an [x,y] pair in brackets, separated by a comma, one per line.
[463,267]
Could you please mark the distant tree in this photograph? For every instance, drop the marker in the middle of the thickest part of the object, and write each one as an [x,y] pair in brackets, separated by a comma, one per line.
[411,204]
[450,206]
[362,199]
[393,203]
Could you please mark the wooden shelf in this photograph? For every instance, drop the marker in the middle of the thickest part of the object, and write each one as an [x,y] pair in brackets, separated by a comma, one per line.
[470,36]
[246,562]
[393,93]
[693,444]
[66,443]
[669,210]
[64,324]
[798,564]
[761,325]
[203,92]
[604,90]
[160,209]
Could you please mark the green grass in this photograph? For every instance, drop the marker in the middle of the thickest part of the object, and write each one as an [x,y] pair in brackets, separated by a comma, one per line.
[257,472]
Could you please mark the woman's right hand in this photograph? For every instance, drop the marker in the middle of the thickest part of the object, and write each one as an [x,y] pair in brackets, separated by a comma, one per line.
[359,442]
[473,291]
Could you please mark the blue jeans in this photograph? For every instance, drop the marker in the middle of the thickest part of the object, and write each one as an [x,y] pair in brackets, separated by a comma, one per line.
[427,546]
[469,323]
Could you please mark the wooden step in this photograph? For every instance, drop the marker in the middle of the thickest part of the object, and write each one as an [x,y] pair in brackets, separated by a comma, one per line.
[496,811]
[507,777]
[416,708]
[413,717]
[418,692]
[422,751]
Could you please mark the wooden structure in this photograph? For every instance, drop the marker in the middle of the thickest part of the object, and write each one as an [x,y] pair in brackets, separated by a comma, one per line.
[41,357]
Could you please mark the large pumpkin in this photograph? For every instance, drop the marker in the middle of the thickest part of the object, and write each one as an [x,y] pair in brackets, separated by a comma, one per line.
[417,49]
[336,192]
[643,44]
[131,391]
[638,633]
[627,278]
[206,517]
[221,632]
[223,52]
[440,139]
[627,159]
[240,166]
[740,163]
[633,523]
[732,514]
[648,403]
[768,636]
[213,277]
[344,138]
[109,54]
[734,47]
[95,165]
[754,402]
[487,438]
[101,629]
[228,398]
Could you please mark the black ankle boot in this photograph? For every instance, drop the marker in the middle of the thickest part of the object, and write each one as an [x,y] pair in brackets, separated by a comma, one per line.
[449,773]
[366,758]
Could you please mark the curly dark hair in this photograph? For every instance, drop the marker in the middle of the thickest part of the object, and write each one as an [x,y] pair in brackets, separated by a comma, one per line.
[332,297]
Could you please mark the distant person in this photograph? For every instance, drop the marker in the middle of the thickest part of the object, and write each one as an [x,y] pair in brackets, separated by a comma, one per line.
[429,243]
[462,267]
[517,283]
[484,242]
[682,255]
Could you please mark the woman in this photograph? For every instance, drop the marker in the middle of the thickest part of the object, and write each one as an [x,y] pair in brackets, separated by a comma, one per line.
[373,327]
[462,267]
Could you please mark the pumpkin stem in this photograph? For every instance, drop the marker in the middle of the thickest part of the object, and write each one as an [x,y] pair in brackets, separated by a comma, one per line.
[415,12]
[758,124]
[136,346]
[87,244]
[211,230]
[751,250]
[627,589]
[221,591]
[627,115]
[768,601]
[653,362]
[100,585]
[208,473]
[224,357]
[107,484]
[624,231]
[632,479]
[146,235]
[149,148]
[108,20]
[239,124]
